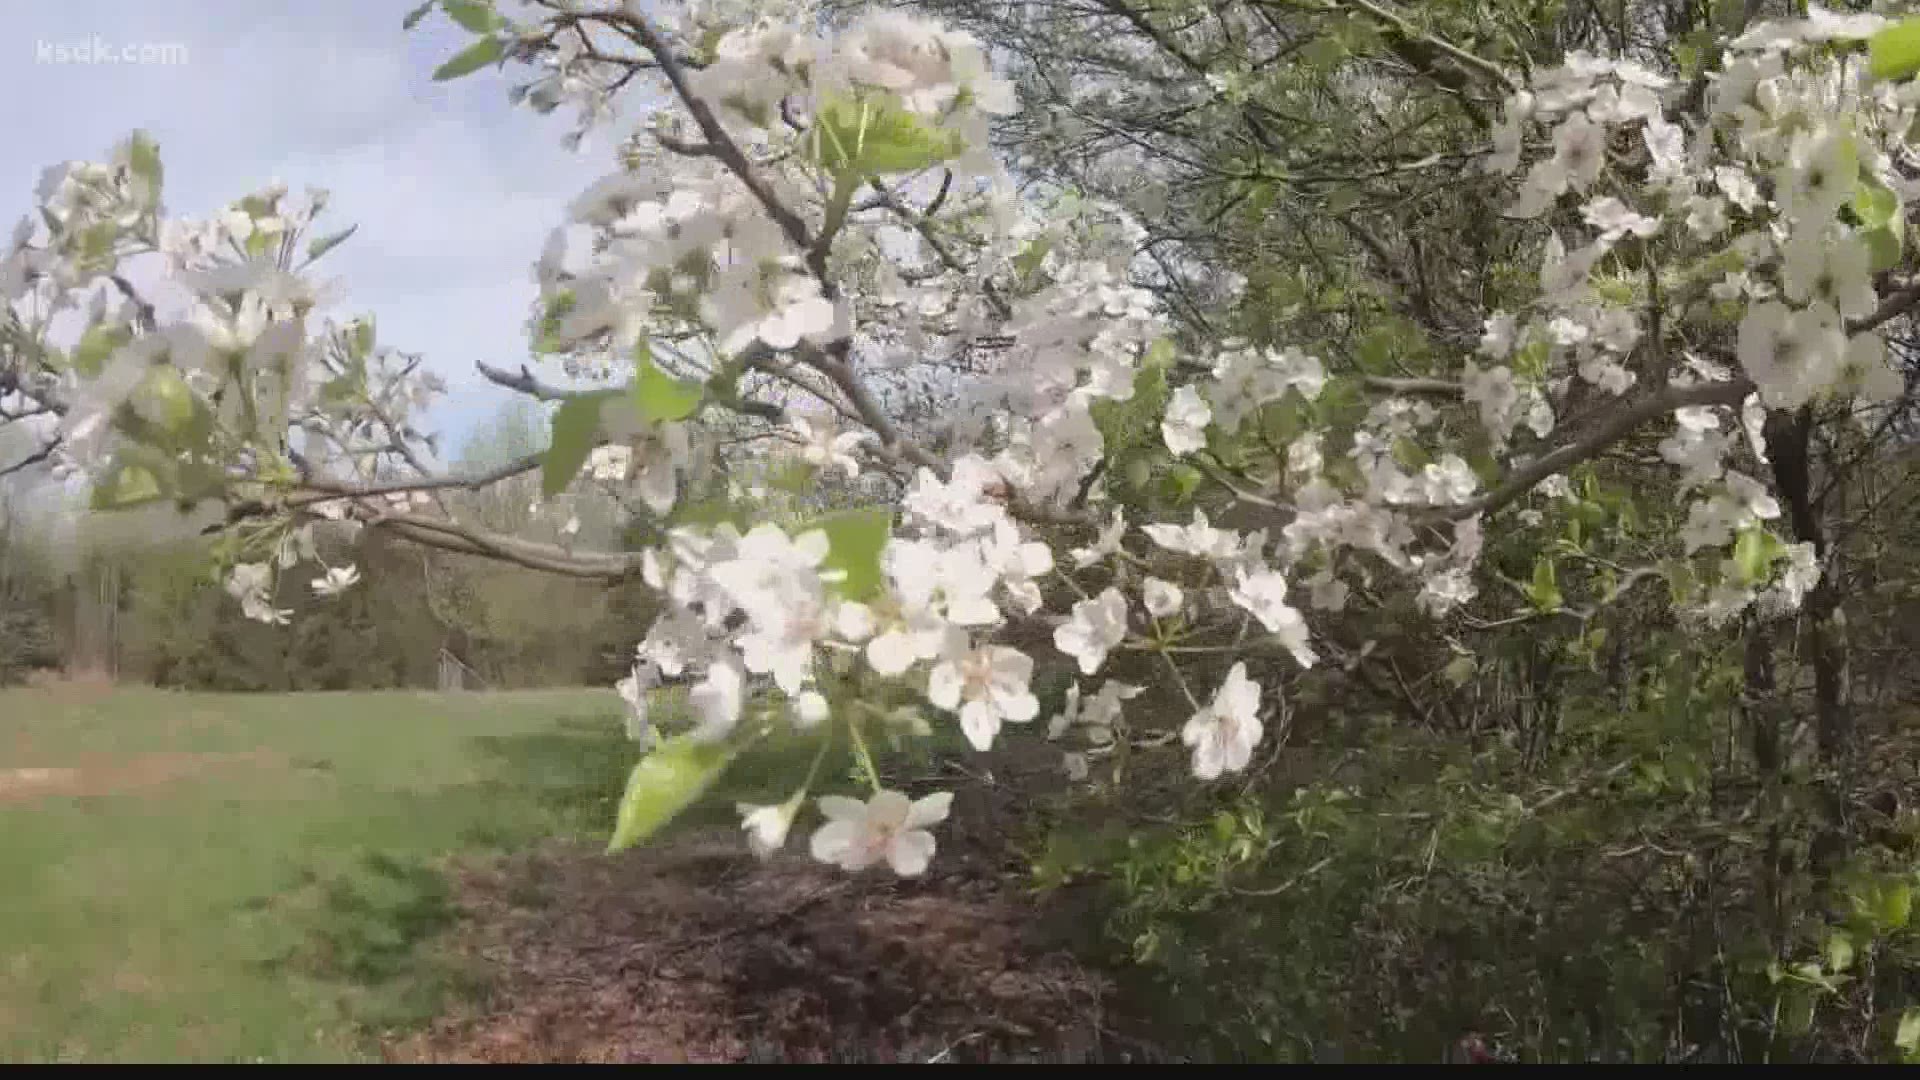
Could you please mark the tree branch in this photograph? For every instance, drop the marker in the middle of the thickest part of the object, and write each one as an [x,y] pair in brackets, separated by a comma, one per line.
[1610,429]
[632,17]
[468,540]
[526,382]
[35,458]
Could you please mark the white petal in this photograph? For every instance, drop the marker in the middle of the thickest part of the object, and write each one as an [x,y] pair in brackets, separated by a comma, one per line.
[980,723]
[841,808]
[911,852]
[831,842]
[930,810]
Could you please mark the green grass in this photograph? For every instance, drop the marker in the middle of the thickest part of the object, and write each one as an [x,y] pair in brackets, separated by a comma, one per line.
[270,908]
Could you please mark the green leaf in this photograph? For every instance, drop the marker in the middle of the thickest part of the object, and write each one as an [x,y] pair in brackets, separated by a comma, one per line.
[1908,1036]
[664,783]
[363,336]
[1874,203]
[1545,589]
[1182,481]
[1754,553]
[470,59]
[1410,454]
[1882,224]
[546,337]
[474,16]
[96,345]
[413,17]
[325,244]
[855,540]
[658,396]
[126,484]
[1839,951]
[870,137]
[96,243]
[1031,256]
[1895,906]
[1894,53]
[1884,245]
[339,389]
[169,401]
[576,427]
[143,157]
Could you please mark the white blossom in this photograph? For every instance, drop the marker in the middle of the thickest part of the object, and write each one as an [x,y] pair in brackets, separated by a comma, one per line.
[1185,428]
[1225,731]
[821,446]
[336,580]
[888,827]
[985,684]
[766,826]
[1162,598]
[1105,544]
[716,700]
[1097,627]
[1264,595]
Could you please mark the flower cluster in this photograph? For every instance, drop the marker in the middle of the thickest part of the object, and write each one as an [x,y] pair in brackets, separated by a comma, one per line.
[827,215]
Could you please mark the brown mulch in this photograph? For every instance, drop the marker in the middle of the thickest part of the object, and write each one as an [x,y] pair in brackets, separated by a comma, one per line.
[692,951]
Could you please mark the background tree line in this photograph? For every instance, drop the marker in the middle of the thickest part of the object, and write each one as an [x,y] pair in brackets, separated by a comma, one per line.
[78,594]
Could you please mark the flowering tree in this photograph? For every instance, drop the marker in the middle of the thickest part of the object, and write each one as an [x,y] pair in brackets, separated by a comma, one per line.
[1009,440]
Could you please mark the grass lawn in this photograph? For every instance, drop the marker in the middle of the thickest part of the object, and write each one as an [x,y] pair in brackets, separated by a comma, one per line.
[240,877]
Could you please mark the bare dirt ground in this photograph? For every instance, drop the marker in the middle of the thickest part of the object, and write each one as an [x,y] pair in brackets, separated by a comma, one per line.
[111,776]
[691,951]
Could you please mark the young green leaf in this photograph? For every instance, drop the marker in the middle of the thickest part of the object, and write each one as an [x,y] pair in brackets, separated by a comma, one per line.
[658,396]
[664,783]
[869,137]
[1839,950]
[143,157]
[1754,553]
[546,337]
[1182,481]
[327,243]
[855,539]
[576,427]
[470,59]
[1895,906]
[1544,592]
[413,17]
[363,336]
[1908,1036]
[127,483]
[474,16]
[1894,53]
[1031,256]
[1874,204]
[338,389]
[96,345]
[165,399]
[1884,245]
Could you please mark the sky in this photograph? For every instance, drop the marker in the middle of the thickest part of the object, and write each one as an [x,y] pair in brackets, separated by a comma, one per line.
[453,188]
